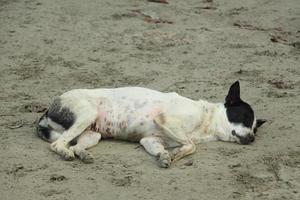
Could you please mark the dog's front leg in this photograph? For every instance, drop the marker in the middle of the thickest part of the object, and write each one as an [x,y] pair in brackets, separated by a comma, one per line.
[183,151]
[154,146]
[83,120]
[173,129]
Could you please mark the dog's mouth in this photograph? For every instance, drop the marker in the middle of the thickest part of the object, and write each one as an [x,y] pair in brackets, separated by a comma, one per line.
[245,140]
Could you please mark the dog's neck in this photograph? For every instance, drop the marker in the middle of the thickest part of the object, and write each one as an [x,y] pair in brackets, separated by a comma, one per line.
[214,124]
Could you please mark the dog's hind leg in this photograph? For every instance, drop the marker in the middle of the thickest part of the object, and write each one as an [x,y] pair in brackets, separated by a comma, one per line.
[85,141]
[154,146]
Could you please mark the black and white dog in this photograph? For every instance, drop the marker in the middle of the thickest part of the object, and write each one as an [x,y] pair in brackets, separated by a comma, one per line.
[154,119]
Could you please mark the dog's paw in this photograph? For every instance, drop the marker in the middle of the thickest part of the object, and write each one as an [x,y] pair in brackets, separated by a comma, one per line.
[68,155]
[86,156]
[62,150]
[164,160]
[174,152]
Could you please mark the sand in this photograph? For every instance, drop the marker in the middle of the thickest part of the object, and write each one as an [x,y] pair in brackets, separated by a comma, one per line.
[195,48]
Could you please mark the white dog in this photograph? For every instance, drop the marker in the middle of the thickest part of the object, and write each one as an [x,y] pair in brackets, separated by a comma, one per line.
[157,120]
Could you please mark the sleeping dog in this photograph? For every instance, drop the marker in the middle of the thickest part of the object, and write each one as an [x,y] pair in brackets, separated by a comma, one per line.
[79,119]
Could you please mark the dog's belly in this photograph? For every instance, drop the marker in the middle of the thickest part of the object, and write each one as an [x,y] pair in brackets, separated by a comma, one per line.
[126,124]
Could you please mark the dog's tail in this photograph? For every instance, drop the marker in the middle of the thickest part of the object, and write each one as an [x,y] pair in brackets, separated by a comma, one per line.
[44,129]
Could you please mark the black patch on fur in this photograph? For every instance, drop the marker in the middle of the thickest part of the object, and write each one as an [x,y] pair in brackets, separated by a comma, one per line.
[240,113]
[260,122]
[61,115]
[43,132]
[237,110]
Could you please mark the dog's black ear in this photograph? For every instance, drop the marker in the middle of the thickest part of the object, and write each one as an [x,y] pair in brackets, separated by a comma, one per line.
[260,122]
[233,95]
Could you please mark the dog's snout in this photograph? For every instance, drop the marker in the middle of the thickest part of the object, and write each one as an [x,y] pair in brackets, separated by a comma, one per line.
[251,138]
[247,139]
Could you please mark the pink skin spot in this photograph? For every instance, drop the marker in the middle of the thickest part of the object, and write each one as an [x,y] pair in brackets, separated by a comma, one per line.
[149,113]
[107,130]
[103,123]
[153,112]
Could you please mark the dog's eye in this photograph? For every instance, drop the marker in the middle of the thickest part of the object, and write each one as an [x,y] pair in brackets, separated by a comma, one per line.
[233,133]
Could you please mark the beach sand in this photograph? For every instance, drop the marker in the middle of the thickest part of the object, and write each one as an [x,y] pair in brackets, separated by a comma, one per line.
[196,48]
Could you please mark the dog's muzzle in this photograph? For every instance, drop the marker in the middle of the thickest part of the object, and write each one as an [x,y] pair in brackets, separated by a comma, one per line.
[244,139]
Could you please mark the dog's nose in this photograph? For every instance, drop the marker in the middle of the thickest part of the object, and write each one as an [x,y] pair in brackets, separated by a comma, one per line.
[247,140]
[251,138]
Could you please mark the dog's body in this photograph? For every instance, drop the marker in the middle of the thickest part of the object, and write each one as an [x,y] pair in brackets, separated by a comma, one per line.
[156,120]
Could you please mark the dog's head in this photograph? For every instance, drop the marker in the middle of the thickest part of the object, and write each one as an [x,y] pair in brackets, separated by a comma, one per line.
[243,123]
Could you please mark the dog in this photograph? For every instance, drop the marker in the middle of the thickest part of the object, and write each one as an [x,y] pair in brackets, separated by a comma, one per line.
[80,118]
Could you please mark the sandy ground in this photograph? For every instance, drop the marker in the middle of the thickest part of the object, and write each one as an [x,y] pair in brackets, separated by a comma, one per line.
[196,48]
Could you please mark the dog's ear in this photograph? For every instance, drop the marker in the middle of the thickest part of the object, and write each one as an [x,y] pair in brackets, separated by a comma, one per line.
[233,95]
[260,122]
